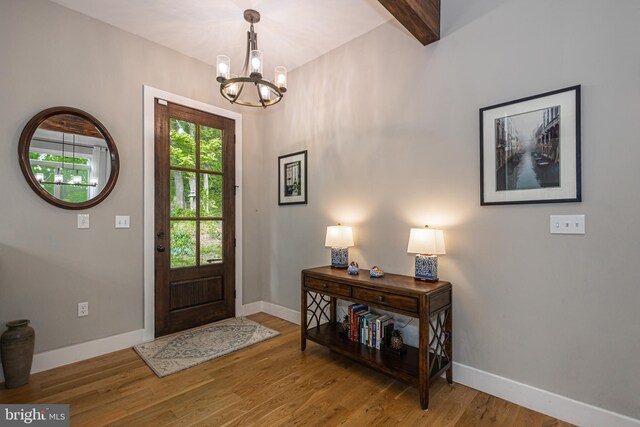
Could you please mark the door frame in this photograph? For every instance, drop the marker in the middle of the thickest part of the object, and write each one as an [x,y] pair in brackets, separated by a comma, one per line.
[150,94]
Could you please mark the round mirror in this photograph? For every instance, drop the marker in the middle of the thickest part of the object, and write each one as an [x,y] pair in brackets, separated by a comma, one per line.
[68,158]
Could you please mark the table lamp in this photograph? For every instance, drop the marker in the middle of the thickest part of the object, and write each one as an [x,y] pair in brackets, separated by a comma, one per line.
[339,238]
[427,243]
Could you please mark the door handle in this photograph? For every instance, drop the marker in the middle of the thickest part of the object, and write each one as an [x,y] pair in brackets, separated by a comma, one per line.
[160,248]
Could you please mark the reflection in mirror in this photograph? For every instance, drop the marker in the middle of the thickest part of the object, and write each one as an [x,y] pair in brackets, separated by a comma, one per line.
[68,158]
[71,163]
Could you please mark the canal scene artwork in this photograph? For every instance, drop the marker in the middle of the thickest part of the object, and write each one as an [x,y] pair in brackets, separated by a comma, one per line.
[528,150]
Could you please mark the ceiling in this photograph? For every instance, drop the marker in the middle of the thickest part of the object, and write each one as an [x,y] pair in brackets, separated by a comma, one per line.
[290,32]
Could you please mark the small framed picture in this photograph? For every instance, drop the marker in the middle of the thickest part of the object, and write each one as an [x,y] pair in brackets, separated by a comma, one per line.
[292,178]
[530,150]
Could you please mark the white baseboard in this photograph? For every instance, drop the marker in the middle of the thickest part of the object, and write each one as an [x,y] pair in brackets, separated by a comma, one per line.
[285,313]
[536,399]
[251,308]
[539,400]
[86,350]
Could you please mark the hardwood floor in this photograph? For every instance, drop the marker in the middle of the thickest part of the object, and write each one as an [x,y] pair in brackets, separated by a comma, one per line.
[270,383]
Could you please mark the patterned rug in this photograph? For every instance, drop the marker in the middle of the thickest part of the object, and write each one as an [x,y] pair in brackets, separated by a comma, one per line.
[173,353]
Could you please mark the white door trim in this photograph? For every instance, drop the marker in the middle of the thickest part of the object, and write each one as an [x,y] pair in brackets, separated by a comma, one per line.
[150,94]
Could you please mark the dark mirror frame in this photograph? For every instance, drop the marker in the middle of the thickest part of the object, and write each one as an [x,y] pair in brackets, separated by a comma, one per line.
[25,164]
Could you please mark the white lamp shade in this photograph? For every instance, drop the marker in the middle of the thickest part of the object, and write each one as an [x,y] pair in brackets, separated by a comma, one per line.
[426,241]
[339,236]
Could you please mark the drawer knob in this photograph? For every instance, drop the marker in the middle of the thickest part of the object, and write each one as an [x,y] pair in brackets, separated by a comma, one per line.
[380,298]
[324,285]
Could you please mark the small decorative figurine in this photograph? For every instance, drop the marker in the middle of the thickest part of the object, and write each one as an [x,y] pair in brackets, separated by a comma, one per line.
[376,272]
[345,325]
[396,343]
[353,268]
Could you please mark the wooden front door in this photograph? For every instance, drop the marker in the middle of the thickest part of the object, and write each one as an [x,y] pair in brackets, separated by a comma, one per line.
[194,218]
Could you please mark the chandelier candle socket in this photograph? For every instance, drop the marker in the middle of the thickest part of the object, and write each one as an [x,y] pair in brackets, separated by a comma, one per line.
[427,243]
[264,92]
[339,238]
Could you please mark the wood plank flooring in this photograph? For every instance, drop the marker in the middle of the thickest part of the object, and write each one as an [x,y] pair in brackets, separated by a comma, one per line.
[269,384]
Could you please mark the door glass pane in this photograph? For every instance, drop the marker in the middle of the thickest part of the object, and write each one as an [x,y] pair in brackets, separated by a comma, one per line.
[210,242]
[183,194]
[183,144]
[210,149]
[183,243]
[210,195]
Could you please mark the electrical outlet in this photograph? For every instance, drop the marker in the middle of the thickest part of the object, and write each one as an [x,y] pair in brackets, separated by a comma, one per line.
[83,220]
[83,309]
[122,221]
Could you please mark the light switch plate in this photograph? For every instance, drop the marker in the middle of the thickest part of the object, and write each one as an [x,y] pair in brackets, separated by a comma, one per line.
[567,224]
[122,221]
[83,220]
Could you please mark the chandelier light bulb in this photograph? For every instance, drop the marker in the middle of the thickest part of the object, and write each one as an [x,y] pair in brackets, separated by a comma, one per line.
[39,177]
[58,178]
[76,179]
[256,62]
[232,89]
[265,92]
[93,181]
[281,78]
[224,67]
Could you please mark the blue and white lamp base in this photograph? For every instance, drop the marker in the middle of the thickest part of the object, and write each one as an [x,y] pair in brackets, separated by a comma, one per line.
[339,257]
[427,267]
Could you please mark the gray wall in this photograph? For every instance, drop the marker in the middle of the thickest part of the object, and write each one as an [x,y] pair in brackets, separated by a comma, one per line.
[53,56]
[556,312]
[392,133]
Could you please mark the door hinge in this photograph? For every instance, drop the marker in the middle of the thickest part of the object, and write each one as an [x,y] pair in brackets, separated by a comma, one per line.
[234,294]
[235,189]
[234,242]
[162,101]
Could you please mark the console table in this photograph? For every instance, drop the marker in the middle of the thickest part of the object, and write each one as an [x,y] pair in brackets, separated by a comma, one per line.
[429,302]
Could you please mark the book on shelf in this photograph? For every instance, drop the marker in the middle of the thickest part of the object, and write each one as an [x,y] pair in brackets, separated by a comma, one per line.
[369,319]
[353,309]
[379,330]
[387,330]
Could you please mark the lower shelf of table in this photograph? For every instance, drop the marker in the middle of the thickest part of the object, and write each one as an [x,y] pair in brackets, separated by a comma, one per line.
[404,367]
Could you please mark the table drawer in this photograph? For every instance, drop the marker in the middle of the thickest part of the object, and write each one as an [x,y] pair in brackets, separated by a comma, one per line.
[326,286]
[383,298]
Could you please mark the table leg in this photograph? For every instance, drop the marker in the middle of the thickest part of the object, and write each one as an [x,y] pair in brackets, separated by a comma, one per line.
[423,385]
[303,321]
[449,343]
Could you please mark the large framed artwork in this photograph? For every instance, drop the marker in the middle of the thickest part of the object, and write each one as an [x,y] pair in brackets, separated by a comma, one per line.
[530,150]
[292,178]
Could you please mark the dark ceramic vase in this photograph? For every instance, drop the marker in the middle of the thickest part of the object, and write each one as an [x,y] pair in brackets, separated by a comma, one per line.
[16,351]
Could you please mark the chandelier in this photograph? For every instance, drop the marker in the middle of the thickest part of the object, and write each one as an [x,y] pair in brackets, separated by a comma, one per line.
[233,86]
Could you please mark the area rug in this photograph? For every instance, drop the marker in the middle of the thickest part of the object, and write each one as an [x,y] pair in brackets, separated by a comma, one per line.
[173,353]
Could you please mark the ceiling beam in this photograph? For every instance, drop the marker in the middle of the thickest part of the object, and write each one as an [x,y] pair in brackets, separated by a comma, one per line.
[420,17]
[69,123]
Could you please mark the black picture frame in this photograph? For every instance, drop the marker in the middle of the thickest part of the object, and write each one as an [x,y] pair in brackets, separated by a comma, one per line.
[530,149]
[292,179]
